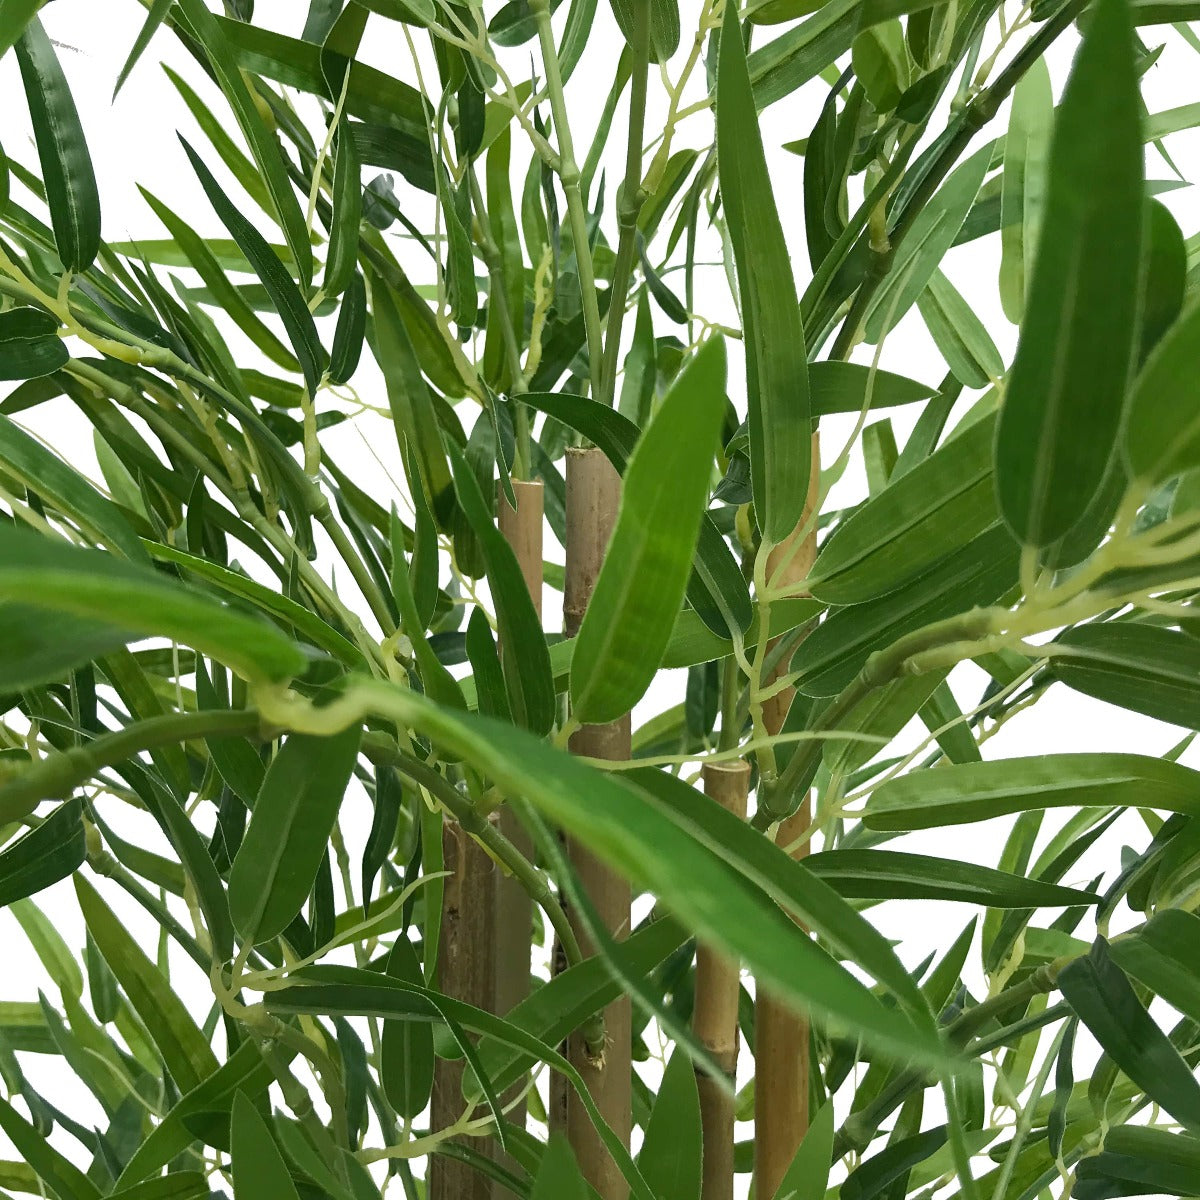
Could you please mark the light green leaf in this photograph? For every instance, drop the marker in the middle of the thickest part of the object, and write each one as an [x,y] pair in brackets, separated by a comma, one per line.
[925,245]
[642,583]
[953,795]
[959,334]
[57,577]
[184,1048]
[931,511]
[1074,358]
[1026,151]
[289,830]
[776,364]
[66,1181]
[670,1157]
[808,1176]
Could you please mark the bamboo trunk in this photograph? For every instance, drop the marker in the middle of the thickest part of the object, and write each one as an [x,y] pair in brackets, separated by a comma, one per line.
[715,1014]
[512,907]
[486,915]
[593,495]
[781,1047]
[466,970]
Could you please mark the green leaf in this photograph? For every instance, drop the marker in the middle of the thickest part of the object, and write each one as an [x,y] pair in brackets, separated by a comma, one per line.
[62,150]
[959,334]
[558,1176]
[953,795]
[1026,151]
[50,948]
[670,1157]
[1164,276]
[56,577]
[641,585]
[925,246]
[410,401]
[975,576]
[30,347]
[258,1167]
[664,25]
[243,1073]
[15,15]
[776,364]
[66,1181]
[649,848]
[285,841]
[184,1049]
[1162,956]
[220,53]
[1162,430]
[285,295]
[177,1185]
[524,656]
[892,1164]
[43,856]
[1148,669]
[1097,989]
[230,299]
[35,649]
[154,18]
[892,875]
[27,460]
[341,262]
[1140,1160]
[1075,353]
[808,1176]
[926,514]
[406,1067]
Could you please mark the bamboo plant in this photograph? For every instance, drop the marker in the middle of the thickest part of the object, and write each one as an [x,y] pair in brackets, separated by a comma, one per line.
[389,880]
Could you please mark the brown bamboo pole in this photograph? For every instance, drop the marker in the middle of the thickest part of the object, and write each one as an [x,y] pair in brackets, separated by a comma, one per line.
[781,1055]
[593,494]
[467,971]
[512,907]
[715,1013]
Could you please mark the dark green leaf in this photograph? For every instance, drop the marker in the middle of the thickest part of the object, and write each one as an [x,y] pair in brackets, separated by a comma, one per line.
[51,852]
[670,1157]
[641,585]
[350,332]
[258,1167]
[406,1068]
[1075,354]
[294,815]
[285,295]
[62,150]
[1097,989]
[776,363]
[558,1176]
[29,344]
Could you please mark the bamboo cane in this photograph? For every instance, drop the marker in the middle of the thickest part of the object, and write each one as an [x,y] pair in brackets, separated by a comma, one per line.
[780,1034]
[715,1013]
[466,971]
[593,494]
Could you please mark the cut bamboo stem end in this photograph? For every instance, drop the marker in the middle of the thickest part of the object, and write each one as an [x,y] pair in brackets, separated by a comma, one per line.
[593,495]
[715,1013]
[467,971]
[781,1035]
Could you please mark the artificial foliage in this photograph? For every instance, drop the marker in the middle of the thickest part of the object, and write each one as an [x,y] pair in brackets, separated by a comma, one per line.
[529,826]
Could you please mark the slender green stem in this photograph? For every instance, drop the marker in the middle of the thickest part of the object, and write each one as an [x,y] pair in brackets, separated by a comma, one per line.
[568,173]
[630,203]
[59,774]
[972,118]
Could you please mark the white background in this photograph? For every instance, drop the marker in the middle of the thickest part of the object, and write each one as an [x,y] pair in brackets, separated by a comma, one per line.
[133,140]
